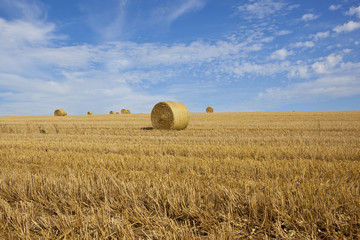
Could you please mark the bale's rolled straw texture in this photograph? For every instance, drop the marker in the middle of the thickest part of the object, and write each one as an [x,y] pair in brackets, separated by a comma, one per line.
[112,112]
[170,115]
[60,112]
[89,113]
[209,109]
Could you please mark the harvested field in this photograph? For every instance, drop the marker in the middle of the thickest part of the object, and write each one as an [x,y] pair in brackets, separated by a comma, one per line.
[284,175]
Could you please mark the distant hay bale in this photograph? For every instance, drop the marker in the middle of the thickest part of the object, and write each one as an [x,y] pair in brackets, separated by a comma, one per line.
[209,109]
[60,112]
[112,112]
[117,113]
[170,115]
[125,111]
[293,111]
[89,113]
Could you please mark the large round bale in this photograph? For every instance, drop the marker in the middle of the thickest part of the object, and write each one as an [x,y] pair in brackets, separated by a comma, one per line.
[127,111]
[112,112]
[89,113]
[123,111]
[209,109]
[60,112]
[170,115]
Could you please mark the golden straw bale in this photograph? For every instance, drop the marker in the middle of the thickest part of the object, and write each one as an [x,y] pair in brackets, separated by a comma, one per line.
[60,112]
[112,112]
[209,109]
[123,111]
[128,111]
[89,113]
[170,115]
[117,113]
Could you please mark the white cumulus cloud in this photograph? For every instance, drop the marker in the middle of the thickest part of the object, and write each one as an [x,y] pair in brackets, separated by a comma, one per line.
[347,27]
[280,54]
[320,35]
[354,11]
[334,7]
[327,64]
[309,17]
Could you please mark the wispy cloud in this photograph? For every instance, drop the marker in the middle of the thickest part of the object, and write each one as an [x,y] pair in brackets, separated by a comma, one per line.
[169,13]
[326,87]
[108,24]
[283,32]
[332,78]
[304,44]
[25,10]
[347,27]
[262,8]
[185,7]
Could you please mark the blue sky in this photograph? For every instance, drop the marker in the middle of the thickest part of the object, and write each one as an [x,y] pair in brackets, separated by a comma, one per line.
[249,55]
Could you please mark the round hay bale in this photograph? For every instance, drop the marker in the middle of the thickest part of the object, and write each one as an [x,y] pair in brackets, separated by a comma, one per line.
[89,113]
[128,111]
[60,112]
[209,109]
[123,111]
[117,113]
[112,112]
[170,115]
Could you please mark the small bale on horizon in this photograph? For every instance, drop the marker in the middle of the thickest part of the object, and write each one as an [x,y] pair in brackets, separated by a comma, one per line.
[60,112]
[89,113]
[112,112]
[170,116]
[209,109]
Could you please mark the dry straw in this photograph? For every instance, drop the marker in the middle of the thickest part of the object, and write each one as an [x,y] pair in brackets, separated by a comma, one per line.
[89,113]
[209,109]
[60,112]
[123,111]
[170,115]
[112,112]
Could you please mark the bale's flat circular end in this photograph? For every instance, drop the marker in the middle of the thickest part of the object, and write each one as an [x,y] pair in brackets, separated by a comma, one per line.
[60,112]
[170,115]
[209,109]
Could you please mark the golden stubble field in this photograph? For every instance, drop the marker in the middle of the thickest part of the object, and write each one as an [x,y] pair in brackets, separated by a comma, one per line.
[284,175]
